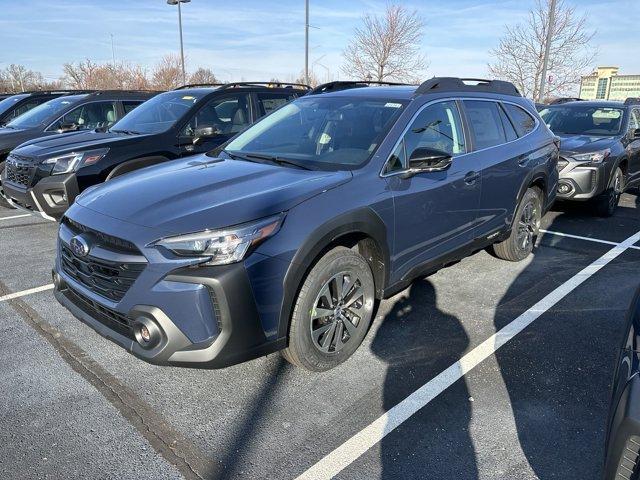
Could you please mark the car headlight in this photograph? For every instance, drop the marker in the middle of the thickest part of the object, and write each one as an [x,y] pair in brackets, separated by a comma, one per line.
[223,247]
[592,157]
[72,161]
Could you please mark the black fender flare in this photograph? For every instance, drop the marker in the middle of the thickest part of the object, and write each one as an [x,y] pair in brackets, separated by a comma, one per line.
[617,163]
[135,164]
[363,221]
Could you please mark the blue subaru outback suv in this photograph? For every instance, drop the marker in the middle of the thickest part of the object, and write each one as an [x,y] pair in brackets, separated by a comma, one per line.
[287,236]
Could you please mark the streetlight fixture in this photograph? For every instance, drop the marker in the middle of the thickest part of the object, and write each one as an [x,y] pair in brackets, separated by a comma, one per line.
[178,2]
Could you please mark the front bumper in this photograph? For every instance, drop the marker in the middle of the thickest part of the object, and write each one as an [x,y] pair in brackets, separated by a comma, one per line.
[581,182]
[206,317]
[49,198]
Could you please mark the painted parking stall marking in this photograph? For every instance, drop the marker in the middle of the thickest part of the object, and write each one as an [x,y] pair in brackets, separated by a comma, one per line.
[16,216]
[588,239]
[24,293]
[353,448]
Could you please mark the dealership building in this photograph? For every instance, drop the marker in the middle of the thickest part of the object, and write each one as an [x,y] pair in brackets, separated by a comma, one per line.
[606,84]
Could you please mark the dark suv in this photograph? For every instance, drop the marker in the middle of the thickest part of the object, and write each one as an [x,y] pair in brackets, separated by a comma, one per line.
[189,120]
[68,113]
[15,105]
[288,236]
[600,150]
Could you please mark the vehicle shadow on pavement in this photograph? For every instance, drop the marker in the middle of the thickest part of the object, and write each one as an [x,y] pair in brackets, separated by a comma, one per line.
[417,341]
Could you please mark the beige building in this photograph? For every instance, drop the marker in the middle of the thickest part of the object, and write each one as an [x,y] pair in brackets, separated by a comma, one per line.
[606,84]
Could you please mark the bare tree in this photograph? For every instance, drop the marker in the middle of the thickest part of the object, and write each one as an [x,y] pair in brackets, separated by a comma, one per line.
[313,79]
[167,74]
[18,78]
[520,54]
[387,47]
[202,76]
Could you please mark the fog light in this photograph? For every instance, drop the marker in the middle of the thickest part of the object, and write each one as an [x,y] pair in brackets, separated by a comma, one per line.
[564,188]
[147,332]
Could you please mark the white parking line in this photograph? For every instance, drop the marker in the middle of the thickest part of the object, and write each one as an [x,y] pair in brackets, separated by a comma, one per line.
[16,216]
[589,239]
[24,293]
[353,448]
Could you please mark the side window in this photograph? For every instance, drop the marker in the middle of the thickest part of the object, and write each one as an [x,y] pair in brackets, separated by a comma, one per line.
[89,116]
[228,115]
[509,131]
[634,120]
[130,105]
[269,101]
[486,125]
[398,159]
[438,126]
[523,122]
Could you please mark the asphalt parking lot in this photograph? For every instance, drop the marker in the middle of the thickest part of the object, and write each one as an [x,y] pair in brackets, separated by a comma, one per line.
[507,368]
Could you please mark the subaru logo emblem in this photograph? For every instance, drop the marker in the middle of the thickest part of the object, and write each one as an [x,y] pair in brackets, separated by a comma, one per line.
[79,246]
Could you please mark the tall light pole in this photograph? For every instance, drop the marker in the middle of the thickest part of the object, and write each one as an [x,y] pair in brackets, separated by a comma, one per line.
[178,2]
[113,52]
[306,42]
[547,47]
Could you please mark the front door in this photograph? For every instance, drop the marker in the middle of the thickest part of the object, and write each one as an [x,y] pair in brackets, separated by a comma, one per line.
[435,212]
[220,118]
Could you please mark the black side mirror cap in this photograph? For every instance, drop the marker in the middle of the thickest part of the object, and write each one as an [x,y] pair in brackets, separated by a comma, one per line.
[424,160]
[68,127]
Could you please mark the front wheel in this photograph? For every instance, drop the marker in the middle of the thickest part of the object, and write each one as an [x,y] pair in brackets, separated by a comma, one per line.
[332,312]
[525,229]
[607,202]
[3,202]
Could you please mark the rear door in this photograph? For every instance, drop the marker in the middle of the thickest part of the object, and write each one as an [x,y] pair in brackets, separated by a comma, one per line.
[501,156]
[435,212]
[633,148]
[227,114]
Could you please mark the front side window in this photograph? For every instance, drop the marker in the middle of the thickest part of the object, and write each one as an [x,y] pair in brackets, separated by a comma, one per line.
[634,120]
[522,120]
[159,113]
[486,125]
[88,116]
[583,120]
[43,113]
[438,126]
[330,132]
[228,115]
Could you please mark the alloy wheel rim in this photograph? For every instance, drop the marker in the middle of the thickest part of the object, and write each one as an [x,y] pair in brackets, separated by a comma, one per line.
[338,312]
[617,190]
[528,225]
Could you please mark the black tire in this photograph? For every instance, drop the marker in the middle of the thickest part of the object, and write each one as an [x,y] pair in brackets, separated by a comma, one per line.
[525,229]
[339,333]
[607,202]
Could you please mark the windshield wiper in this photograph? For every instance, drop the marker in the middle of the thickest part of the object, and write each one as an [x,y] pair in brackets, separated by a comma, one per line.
[277,160]
[126,132]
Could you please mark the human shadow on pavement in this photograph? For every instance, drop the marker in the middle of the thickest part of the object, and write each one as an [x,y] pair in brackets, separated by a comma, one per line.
[418,341]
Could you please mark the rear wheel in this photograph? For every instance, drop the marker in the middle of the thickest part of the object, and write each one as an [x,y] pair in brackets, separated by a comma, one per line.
[332,312]
[607,202]
[526,227]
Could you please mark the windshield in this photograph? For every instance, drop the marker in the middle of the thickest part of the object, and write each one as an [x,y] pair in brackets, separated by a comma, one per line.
[321,132]
[42,113]
[583,120]
[9,102]
[159,113]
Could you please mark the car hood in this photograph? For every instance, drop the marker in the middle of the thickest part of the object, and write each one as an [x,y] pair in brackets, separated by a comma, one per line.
[11,138]
[53,145]
[584,143]
[200,193]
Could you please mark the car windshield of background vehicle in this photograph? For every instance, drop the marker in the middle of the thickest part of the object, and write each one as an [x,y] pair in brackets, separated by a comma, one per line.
[40,114]
[321,132]
[158,114]
[583,120]
[9,102]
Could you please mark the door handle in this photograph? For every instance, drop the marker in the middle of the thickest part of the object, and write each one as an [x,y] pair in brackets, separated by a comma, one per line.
[471,178]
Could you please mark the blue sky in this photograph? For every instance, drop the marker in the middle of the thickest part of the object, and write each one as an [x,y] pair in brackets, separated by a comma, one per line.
[251,39]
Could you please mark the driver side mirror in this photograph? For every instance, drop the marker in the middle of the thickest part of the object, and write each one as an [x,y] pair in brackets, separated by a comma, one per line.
[428,160]
[68,127]
[202,133]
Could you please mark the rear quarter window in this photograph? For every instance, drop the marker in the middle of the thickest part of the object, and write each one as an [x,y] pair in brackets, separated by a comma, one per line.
[522,121]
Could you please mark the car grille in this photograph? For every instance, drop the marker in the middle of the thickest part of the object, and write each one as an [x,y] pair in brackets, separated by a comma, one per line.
[20,170]
[107,240]
[108,279]
[562,162]
[629,467]
[112,319]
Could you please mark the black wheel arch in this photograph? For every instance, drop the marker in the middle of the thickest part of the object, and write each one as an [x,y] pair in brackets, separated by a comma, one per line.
[362,228]
[135,164]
